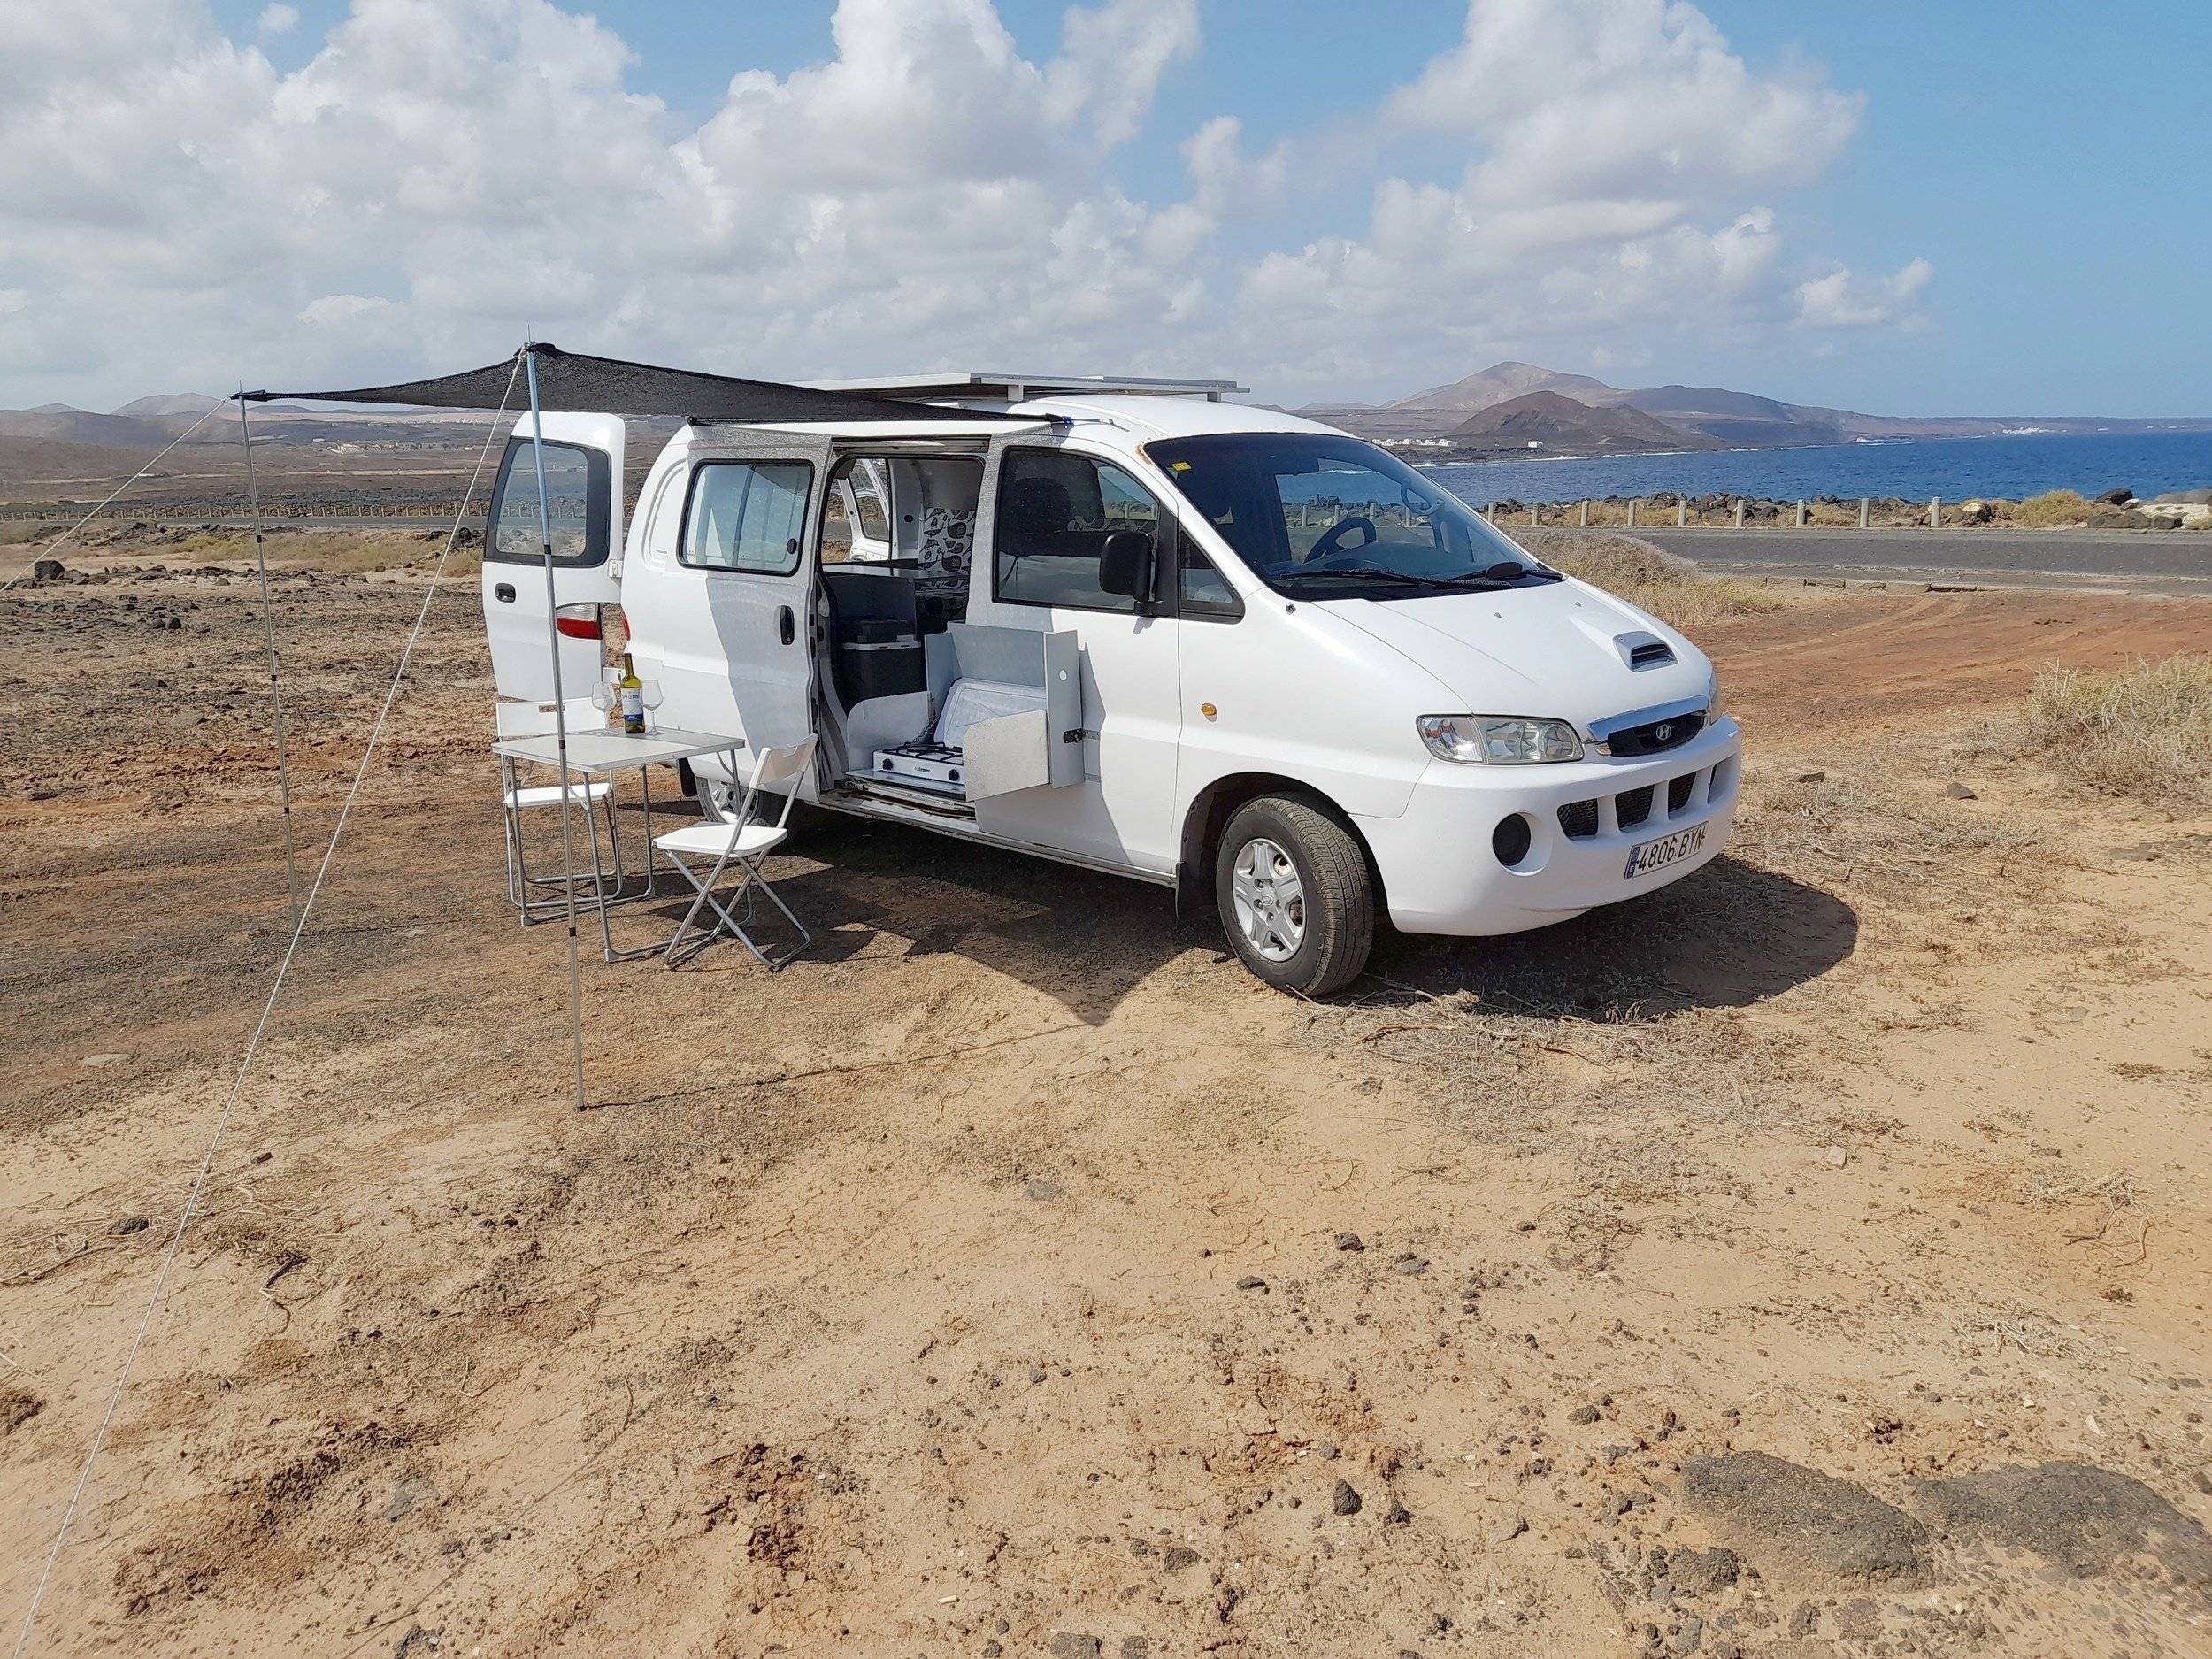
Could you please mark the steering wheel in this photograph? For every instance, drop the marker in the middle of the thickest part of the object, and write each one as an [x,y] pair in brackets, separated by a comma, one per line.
[1329,545]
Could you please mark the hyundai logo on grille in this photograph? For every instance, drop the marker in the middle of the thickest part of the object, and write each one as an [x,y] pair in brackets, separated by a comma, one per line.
[1657,736]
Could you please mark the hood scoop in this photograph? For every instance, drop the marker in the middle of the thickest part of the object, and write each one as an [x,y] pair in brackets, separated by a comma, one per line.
[1642,650]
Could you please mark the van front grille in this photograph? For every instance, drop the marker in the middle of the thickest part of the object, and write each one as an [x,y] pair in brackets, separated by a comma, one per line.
[1578,819]
[1631,807]
[1655,737]
[1678,791]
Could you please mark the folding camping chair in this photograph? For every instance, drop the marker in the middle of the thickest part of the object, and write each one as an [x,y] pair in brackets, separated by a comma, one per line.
[745,844]
[527,719]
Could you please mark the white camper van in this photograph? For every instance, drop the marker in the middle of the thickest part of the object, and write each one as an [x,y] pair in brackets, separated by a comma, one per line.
[1140,629]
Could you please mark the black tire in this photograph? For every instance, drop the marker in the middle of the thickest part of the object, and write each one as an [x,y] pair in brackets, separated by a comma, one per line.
[1336,903]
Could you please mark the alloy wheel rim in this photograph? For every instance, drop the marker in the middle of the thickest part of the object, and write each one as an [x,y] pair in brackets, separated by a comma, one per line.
[1270,899]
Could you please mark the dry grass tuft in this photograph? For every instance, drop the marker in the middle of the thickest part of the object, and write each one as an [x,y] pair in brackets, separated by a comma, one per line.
[2053,507]
[2145,731]
[1883,837]
[1651,578]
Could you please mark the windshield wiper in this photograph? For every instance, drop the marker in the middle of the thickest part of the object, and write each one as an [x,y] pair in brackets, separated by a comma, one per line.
[1370,573]
[1488,581]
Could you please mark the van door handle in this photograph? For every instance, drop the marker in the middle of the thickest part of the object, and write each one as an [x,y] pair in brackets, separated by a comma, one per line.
[504,592]
[787,624]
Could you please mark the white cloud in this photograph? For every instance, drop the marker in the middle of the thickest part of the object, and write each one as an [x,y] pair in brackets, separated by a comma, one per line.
[926,195]
[1605,99]
[1841,300]
[334,310]
[279,20]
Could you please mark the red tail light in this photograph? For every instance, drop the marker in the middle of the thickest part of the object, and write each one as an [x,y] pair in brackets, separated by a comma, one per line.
[578,627]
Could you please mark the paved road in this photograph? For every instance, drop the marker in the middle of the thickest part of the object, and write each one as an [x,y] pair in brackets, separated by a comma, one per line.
[2148,561]
[2127,561]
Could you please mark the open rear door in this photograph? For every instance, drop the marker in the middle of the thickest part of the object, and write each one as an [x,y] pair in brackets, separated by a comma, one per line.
[583,500]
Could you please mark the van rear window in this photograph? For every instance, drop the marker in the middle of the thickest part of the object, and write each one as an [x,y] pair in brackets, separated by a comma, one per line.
[577,493]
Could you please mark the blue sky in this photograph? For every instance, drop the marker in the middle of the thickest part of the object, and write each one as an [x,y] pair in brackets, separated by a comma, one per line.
[1959,207]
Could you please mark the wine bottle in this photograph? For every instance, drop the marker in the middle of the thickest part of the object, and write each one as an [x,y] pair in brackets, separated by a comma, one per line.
[632,699]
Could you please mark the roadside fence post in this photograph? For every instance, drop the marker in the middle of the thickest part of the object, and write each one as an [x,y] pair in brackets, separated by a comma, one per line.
[1681,510]
[1739,513]
[1935,513]
[1632,513]
[1531,515]
[1866,508]
[1585,520]
[1801,514]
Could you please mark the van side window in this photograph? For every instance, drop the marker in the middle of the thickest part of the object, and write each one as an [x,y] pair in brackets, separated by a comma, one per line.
[1203,592]
[747,516]
[576,494]
[1055,511]
[856,519]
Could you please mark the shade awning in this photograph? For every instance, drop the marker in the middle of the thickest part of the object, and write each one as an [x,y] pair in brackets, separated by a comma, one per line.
[569,381]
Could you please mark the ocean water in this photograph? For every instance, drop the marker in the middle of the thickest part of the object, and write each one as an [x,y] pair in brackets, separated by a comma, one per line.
[1956,469]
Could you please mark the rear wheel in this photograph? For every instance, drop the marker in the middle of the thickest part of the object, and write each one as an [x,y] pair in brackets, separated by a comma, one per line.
[1294,896]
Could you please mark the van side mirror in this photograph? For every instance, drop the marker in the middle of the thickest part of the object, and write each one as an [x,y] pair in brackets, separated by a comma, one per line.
[1124,566]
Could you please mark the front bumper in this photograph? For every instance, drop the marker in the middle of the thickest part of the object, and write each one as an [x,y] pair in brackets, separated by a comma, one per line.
[1441,875]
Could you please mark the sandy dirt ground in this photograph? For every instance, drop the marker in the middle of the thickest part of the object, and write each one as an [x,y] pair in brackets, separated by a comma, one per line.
[1807,1261]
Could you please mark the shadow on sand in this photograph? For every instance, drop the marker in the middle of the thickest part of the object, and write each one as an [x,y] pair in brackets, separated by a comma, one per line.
[1724,937]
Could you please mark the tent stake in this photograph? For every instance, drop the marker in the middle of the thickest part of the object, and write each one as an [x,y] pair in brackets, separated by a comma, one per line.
[276,690]
[560,720]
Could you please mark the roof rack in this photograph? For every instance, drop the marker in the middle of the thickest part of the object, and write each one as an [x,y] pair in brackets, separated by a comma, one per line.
[1015,389]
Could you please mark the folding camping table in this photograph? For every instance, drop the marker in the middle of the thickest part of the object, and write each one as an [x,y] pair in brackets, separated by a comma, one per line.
[604,754]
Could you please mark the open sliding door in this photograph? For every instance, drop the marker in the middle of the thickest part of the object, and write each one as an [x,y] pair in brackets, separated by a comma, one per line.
[746,554]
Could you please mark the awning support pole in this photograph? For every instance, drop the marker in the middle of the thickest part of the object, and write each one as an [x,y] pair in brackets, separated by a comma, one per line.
[560,719]
[276,692]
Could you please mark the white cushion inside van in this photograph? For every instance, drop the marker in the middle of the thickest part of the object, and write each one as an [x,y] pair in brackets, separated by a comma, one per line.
[971,700]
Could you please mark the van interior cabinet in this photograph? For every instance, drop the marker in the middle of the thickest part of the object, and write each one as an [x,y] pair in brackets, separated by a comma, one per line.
[873,634]
[1007,702]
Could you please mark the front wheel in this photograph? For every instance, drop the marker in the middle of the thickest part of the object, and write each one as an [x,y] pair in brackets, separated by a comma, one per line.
[1294,896]
[717,801]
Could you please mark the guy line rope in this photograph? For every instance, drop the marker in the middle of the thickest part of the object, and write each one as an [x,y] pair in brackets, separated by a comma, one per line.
[222,1122]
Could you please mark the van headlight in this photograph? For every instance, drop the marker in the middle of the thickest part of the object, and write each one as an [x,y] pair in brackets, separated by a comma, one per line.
[1498,739]
[1712,695]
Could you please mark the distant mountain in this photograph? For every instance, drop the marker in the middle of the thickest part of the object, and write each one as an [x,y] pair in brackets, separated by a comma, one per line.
[1500,383]
[1714,413]
[75,426]
[169,403]
[1740,419]
[1559,425]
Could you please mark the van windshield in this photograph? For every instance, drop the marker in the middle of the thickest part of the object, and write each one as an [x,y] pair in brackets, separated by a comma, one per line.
[1319,515]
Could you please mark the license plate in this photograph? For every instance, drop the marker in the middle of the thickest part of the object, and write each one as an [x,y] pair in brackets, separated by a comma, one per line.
[1646,856]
